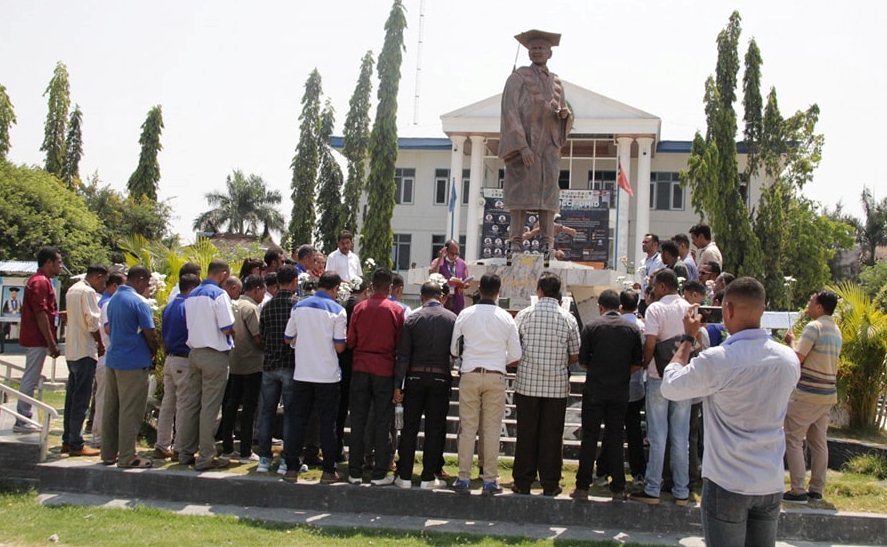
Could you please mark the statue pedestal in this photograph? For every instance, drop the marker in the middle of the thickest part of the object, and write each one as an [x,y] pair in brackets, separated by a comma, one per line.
[519,280]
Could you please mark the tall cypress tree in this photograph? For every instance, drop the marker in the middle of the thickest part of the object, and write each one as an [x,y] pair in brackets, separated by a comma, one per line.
[55,128]
[329,195]
[74,146]
[377,237]
[713,174]
[356,142]
[145,179]
[7,118]
[751,100]
[305,164]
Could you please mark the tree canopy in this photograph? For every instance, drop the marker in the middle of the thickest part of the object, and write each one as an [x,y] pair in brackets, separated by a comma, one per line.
[357,141]
[55,129]
[7,118]
[246,206]
[305,164]
[74,147]
[329,195]
[38,210]
[146,178]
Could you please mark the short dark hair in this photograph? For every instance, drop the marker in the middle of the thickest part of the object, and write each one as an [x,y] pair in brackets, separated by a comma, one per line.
[727,277]
[329,280]
[397,280]
[345,234]
[718,297]
[666,277]
[550,285]
[828,300]
[430,289]
[382,279]
[271,279]
[190,268]
[286,274]
[305,250]
[654,237]
[681,239]
[628,299]
[253,282]
[694,287]
[138,272]
[115,278]
[187,282]
[490,285]
[47,254]
[748,289]
[250,264]
[217,266]
[714,266]
[703,230]
[671,248]
[96,269]
[609,300]
[271,255]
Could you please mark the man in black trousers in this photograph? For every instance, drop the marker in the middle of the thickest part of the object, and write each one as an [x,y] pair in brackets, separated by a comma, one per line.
[610,351]
[423,369]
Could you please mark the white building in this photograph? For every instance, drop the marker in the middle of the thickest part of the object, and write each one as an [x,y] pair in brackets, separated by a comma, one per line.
[604,133]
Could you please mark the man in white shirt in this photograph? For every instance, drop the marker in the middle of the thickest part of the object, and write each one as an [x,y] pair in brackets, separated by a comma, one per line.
[653,260]
[489,339]
[707,249]
[316,330]
[82,350]
[665,419]
[210,324]
[343,260]
[746,383]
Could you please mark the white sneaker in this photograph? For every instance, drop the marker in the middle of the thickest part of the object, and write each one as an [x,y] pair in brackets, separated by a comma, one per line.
[384,481]
[601,481]
[253,457]
[25,427]
[264,465]
[303,468]
[282,469]
[355,480]
[432,484]
[401,483]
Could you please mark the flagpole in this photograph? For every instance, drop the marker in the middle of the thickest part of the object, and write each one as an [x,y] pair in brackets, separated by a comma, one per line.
[616,238]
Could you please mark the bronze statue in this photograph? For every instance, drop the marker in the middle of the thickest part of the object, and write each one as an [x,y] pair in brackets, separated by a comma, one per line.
[535,123]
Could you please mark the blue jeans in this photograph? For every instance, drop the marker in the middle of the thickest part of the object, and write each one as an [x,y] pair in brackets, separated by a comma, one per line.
[730,519]
[276,384]
[667,420]
[78,391]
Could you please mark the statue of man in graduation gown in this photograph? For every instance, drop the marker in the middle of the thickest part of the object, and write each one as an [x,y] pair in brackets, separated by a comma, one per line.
[534,127]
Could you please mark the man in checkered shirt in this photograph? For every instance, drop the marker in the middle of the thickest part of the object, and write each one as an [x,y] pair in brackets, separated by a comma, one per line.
[550,342]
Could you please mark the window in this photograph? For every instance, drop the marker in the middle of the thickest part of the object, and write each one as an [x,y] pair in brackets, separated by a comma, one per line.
[603,180]
[437,243]
[666,192]
[743,187]
[441,186]
[563,179]
[466,185]
[501,182]
[400,251]
[404,181]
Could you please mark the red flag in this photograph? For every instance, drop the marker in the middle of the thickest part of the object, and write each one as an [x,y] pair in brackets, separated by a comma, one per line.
[623,182]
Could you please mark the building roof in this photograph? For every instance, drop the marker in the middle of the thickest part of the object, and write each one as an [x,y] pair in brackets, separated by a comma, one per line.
[683,147]
[407,143]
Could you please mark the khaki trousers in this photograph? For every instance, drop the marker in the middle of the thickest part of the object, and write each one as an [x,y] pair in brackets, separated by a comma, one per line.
[481,407]
[126,394]
[810,421]
[175,383]
[207,378]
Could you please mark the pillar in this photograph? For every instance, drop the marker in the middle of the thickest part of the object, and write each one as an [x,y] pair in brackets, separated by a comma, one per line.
[623,152]
[642,219]
[454,217]
[475,210]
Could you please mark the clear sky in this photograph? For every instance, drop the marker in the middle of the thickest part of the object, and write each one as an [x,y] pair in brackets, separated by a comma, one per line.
[230,74]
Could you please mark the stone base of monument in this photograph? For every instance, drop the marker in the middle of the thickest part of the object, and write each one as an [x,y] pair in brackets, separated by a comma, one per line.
[583,283]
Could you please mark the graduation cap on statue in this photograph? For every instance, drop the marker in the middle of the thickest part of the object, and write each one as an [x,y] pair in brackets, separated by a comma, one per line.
[525,38]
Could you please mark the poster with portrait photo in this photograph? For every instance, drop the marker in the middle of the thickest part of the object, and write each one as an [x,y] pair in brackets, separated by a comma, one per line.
[11,297]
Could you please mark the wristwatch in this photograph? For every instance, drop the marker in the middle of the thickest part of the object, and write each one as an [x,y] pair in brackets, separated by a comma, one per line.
[688,338]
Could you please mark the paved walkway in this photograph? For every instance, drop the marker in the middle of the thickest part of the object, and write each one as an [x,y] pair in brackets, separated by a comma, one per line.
[407,524]
[56,374]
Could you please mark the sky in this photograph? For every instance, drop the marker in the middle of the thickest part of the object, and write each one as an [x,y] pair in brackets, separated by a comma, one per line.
[230,74]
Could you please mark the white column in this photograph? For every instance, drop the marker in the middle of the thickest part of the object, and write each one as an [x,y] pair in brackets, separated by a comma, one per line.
[623,151]
[645,154]
[475,211]
[453,229]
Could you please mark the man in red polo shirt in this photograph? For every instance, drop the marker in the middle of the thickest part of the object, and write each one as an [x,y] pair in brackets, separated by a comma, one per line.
[39,314]
[372,334]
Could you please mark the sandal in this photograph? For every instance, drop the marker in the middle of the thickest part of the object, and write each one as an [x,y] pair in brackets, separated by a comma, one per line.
[136,463]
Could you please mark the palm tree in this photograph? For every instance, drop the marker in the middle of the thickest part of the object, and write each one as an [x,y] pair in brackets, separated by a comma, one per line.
[247,204]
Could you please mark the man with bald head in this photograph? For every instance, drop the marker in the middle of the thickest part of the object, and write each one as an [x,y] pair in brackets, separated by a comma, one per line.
[534,127]
[745,385]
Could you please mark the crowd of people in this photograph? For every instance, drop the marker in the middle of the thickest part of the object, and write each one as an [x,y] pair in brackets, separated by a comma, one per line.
[241,347]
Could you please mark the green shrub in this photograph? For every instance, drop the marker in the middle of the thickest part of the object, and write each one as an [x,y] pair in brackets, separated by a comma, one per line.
[868,464]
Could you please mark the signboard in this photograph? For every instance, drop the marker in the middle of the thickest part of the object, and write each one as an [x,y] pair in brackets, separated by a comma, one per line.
[585,211]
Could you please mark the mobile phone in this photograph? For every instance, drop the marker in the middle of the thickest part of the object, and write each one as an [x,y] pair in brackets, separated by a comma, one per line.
[711,314]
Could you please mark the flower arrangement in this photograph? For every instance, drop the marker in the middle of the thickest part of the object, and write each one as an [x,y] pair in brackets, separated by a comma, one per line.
[346,288]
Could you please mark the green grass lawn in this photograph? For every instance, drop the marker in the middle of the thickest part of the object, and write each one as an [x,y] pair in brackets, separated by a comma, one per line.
[25,522]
